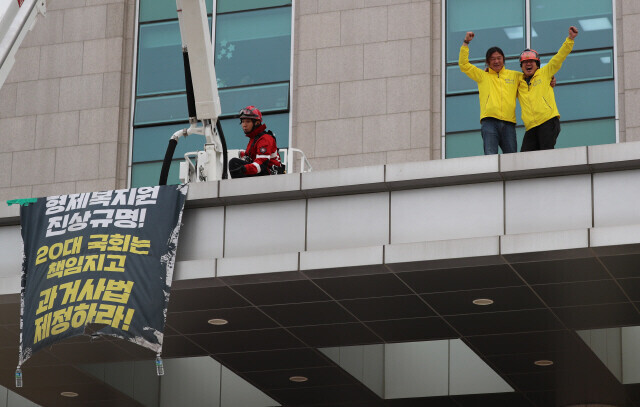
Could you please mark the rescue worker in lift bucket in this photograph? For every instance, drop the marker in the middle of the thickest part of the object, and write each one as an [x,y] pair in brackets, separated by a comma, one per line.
[537,100]
[261,156]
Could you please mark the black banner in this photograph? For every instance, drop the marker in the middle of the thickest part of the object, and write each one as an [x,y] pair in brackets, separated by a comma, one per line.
[100,263]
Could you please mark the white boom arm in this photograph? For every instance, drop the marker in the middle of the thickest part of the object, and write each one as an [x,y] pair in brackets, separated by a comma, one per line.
[196,41]
[17,18]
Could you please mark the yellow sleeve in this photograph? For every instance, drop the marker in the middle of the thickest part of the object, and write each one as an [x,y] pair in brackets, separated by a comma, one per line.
[468,68]
[556,62]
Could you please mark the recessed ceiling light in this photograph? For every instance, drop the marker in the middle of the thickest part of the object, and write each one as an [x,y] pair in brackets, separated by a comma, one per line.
[218,321]
[543,362]
[298,379]
[483,301]
[69,394]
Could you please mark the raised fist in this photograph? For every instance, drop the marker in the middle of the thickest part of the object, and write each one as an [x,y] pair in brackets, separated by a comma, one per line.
[469,36]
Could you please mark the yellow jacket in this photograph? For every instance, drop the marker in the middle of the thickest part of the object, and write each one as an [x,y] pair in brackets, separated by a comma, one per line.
[497,90]
[537,100]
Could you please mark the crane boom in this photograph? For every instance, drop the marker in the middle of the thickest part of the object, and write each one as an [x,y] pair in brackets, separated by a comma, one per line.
[16,19]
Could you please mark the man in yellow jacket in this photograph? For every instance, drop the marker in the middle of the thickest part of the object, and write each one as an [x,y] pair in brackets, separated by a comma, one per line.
[498,88]
[537,100]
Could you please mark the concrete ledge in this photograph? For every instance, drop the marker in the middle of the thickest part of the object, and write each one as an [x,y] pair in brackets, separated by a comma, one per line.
[9,285]
[619,156]
[443,249]
[260,189]
[9,215]
[443,172]
[344,180]
[242,266]
[564,161]
[202,194]
[614,236]
[545,245]
[324,259]
[192,269]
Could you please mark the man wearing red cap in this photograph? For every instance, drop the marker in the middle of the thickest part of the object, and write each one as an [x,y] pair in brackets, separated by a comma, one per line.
[261,156]
[537,100]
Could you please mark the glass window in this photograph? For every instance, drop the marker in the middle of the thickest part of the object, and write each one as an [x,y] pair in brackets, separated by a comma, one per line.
[267,97]
[253,47]
[160,59]
[585,100]
[494,22]
[584,66]
[277,123]
[150,143]
[463,113]
[225,6]
[148,174]
[551,19]
[153,10]
[586,133]
[160,66]
[161,109]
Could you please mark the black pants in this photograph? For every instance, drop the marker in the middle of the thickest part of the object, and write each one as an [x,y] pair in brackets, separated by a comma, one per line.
[542,137]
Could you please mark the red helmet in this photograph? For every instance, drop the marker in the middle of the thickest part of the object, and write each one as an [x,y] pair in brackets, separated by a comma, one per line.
[528,55]
[251,112]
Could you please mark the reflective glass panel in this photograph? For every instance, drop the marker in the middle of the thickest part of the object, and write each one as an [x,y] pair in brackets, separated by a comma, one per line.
[586,133]
[148,174]
[463,113]
[494,22]
[253,47]
[266,97]
[150,143]
[160,66]
[583,66]
[585,100]
[151,10]
[551,19]
[277,123]
[225,6]
[161,109]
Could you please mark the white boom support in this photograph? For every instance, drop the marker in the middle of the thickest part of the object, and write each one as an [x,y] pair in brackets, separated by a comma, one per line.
[196,40]
[16,19]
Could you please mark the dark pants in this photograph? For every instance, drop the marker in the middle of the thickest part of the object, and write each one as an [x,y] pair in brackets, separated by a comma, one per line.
[496,133]
[542,137]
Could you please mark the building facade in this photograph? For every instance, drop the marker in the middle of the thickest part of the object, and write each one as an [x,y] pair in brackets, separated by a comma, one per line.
[371,92]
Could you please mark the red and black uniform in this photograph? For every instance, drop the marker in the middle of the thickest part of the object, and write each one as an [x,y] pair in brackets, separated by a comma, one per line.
[260,157]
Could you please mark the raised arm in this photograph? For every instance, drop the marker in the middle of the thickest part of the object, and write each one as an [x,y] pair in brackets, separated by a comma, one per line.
[556,62]
[466,67]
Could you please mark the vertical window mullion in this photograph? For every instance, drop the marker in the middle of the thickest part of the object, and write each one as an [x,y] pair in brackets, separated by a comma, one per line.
[527,23]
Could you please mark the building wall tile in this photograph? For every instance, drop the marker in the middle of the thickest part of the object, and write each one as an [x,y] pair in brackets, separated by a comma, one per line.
[99,125]
[33,167]
[37,97]
[387,59]
[346,134]
[86,23]
[77,163]
[387,133]
[81,92]
[409,20]
[363,26]
[26,66]
[340,64]
[60,60]
[103,55]
[57,130]
[363,98]
[319,30]
[18,133]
